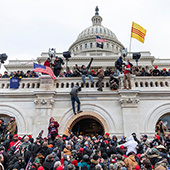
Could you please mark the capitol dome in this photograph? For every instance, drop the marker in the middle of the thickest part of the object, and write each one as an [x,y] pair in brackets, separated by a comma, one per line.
[86,40]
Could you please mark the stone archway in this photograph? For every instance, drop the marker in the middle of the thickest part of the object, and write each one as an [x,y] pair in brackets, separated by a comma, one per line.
[89,110]
[86,115]
[12,111]
[154,116]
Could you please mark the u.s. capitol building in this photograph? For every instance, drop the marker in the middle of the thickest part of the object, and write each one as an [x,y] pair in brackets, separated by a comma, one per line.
[118,112]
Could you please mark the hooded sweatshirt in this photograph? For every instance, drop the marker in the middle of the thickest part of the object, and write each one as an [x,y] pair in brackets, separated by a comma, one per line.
[130,145]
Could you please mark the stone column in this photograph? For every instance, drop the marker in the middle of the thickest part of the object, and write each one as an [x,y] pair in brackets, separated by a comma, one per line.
[129,106]
[43,105]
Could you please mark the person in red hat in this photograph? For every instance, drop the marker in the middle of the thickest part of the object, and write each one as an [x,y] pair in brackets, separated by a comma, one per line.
[53,129]
[164,72]
[156,72]
[15,142]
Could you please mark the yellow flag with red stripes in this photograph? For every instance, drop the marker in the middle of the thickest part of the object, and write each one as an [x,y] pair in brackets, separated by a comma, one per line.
[138,32]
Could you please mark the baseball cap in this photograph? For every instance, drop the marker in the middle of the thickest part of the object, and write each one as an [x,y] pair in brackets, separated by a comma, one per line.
[145,136]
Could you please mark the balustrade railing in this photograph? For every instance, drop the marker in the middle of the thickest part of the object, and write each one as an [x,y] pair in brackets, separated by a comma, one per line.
[64,83]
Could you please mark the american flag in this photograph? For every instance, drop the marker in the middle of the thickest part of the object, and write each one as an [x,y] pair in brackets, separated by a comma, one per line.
[99,39]
[44,69]
[17,145]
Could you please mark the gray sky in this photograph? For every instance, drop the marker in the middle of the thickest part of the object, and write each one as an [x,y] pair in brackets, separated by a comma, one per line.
[30,27]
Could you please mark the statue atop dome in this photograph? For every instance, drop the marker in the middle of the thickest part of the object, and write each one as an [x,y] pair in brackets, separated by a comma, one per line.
[97,10]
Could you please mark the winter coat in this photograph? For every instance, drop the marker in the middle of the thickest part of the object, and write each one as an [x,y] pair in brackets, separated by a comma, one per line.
[86,70]
[12,125]
[130,162]
[48,165]
[158,129]
[45,151]
[93,164]
[82,164]
[75,90]
[118,64]
[130,145]
[57,63]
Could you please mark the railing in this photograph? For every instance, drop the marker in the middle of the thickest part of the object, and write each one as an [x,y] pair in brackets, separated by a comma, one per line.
[62,84]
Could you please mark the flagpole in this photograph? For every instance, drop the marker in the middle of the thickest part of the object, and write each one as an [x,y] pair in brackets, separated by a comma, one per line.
[130,46]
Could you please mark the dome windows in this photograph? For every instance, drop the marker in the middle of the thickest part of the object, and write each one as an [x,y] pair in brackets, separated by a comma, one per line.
[91,45]
[86,45]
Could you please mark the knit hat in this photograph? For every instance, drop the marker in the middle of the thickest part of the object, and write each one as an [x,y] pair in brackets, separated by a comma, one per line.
[137,167]
[40,168]
[74,162]
[81,150]
[164,69]
[107,134]
[155,67]
[15,135]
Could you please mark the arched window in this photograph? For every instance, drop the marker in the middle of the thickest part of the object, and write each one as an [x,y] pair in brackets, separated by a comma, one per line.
[76,48]
[80,47]
[96,30]
[100,30]
[85,45]
[91,45]
[107,45]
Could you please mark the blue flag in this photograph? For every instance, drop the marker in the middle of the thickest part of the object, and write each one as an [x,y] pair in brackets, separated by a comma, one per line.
[14,83]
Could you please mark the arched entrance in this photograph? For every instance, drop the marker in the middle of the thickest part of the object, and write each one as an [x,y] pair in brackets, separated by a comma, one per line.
[79,121]
[87,126]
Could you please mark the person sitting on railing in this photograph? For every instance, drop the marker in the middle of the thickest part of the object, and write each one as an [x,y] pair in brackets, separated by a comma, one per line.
[156,72]
[164,72]
[107,72]
[114,82]
[85,72]
[69,74]
[93,73]
[5,75]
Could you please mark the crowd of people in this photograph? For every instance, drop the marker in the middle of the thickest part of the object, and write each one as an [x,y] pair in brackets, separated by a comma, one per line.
[83,152]
[19,74]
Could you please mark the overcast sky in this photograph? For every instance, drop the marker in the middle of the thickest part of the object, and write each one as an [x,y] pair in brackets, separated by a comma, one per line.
[30,27]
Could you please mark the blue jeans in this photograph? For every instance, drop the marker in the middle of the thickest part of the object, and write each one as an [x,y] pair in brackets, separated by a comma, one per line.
[84,76]
[73,100]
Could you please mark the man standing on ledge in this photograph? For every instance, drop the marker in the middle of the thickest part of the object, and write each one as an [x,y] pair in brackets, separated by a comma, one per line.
[126,75]
[74,98]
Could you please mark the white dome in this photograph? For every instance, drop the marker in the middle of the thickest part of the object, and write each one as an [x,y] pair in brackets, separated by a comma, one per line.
[97,30]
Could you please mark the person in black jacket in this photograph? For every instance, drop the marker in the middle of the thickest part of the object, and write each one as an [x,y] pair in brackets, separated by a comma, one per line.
[85,72]
[57,65]
[74,98]
[118,65]
[49,163]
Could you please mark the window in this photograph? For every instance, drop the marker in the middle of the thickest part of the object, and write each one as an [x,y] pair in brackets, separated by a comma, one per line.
[96,30]
[107,45]
[76,48]
[80,47]
[100,30]
[91,45]
[85,45]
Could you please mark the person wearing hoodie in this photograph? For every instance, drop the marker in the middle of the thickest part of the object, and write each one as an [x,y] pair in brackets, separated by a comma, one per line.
[74,98]
[49,163]
[84,162]
[130,145]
